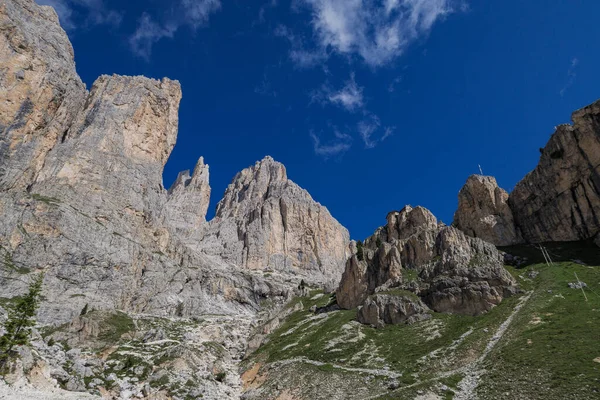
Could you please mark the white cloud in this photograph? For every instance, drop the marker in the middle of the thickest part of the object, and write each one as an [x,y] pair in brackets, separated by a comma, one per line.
[376,31]
[368,127]
[149,32]
[339,145]
[76,13]
[571,75]
[299,54]
[197,12]
[194,13]
[350,96]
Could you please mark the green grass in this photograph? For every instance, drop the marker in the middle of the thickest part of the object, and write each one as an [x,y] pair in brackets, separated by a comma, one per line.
[116,325]
[45,199]
[399,293]
[553,341]
[547,352]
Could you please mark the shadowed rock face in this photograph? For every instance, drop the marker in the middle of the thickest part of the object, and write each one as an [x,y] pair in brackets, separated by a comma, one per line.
[560,199]
[483,212]
[266,221]
[450,271]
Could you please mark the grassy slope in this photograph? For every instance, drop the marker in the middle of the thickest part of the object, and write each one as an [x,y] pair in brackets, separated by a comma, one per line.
[556,362]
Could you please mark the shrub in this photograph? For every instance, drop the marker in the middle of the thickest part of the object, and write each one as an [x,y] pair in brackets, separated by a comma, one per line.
[359,251]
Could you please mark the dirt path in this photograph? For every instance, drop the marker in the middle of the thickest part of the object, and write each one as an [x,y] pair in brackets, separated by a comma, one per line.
[473,371]
[378,372]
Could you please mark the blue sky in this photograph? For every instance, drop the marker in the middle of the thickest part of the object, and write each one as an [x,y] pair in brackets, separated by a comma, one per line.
[370,104]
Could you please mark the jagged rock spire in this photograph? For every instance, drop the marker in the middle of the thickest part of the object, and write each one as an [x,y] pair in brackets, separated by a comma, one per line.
[188,200]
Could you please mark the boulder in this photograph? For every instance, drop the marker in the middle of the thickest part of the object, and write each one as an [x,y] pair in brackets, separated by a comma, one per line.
[381,309]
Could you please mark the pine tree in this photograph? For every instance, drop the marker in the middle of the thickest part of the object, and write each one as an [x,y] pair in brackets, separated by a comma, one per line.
[20,319]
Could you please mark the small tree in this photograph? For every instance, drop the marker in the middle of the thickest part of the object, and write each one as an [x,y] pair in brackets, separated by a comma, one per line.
[359,251]
[84,310]
[21,317]
[378,242]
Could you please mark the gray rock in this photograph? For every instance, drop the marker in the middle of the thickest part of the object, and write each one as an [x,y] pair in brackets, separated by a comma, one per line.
[577,285]
[559,200]
[483,212]
[381,309]
[266,221]
[456,273]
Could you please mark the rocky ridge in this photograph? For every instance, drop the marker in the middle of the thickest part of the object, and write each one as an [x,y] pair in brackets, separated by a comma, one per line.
[82,201]
[413,253]
[143,295]
[557,201]
[267,222]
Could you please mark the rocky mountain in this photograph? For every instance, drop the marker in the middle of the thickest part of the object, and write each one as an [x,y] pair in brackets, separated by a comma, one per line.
[557,201]
[82,201]
[143,297]
[267,222]
[414,255]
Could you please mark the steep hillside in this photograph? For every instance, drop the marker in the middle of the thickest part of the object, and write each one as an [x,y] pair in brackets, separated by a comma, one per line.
[540,344]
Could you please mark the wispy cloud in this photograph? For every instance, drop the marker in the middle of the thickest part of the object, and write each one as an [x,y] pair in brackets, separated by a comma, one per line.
[369,129]
[147,33]
[265,88]
[83,13]
[340,144]
[262,11]
[300,54]
[571,76]
[375,31]
[194,13]
[349,97]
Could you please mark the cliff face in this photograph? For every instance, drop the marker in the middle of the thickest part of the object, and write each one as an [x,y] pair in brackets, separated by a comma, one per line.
[558,201]
[267,222]
[40,90]
[483,212]
[447,270]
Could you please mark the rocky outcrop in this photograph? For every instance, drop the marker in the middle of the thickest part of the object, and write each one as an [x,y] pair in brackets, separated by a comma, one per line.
[188,201]
[560,199]
[40,90]
[483,212]
[267,222]
[392,309]
[448,270]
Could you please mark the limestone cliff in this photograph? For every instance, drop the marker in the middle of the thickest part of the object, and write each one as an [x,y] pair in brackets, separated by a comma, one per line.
[267,222]
[483,212]
[560,199]
[188,201]
[448,270]
[40,90]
